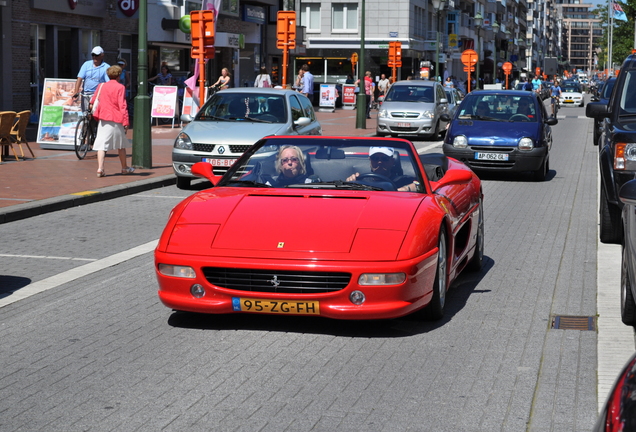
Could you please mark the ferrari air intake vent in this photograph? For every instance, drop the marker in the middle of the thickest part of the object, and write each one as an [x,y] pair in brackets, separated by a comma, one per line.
[274,281]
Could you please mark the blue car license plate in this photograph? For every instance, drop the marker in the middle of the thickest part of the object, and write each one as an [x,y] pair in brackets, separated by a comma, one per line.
[491,156]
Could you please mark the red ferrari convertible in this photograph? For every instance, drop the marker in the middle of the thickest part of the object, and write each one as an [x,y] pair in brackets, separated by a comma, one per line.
[346,228]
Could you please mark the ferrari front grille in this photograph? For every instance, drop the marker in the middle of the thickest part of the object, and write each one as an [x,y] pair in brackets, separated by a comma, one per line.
[276,281]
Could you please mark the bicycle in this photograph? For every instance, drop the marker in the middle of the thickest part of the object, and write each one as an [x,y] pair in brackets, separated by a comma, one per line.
[86,129]
[555,105]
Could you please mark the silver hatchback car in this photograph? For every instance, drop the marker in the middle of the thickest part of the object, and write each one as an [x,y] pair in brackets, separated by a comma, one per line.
[413,107]
[234,119]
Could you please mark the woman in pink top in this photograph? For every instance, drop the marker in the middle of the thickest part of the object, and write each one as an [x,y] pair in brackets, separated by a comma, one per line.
[112,113]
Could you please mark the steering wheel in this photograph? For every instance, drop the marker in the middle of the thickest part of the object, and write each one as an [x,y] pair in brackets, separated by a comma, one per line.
[522,117]
[378,177]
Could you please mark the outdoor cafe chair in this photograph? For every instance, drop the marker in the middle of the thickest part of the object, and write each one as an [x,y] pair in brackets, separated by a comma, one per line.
[18,131]
[7,119]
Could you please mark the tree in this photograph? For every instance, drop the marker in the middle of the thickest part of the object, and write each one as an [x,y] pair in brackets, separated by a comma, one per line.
[623,34]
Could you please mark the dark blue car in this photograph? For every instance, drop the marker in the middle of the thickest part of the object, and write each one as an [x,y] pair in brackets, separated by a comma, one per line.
[501,130]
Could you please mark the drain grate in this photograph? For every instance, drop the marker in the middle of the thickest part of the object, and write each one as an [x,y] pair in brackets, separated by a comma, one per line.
[564,322]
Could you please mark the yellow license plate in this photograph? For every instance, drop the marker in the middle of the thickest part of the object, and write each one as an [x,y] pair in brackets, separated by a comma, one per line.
[241,304]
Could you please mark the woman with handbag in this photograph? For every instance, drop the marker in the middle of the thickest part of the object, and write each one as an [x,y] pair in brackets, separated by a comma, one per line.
[109,107]
[263,79]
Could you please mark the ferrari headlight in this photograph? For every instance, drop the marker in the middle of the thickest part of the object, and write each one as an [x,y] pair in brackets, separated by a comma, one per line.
[526,144]
[177,271]
[428,114]
[460,142]
[381,278]
[183,142]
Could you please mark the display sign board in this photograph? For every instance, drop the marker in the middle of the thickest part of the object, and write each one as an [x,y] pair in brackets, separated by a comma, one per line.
[190,102]
[328,96]
[164,102]
[59,114]
[348,96]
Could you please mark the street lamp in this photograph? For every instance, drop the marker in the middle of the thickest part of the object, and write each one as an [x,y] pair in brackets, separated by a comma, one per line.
[495,30]
[438,5]
[478,21]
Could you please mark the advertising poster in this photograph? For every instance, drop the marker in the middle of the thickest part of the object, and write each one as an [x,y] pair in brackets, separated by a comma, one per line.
[190,101]
[348,96]
[164,102]
[59,114]
[328,97]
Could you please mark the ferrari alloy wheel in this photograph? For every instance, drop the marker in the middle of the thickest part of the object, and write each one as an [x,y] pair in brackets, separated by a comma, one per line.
[478,259]
[435,309]
[610,223]
[628,307]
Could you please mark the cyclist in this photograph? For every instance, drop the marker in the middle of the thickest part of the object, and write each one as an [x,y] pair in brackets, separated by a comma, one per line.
[537,85]
[555,94]
[91,74]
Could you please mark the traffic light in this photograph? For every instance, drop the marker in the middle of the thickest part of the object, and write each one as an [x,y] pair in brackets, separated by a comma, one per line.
[202,32]
[286,30]
[395,54]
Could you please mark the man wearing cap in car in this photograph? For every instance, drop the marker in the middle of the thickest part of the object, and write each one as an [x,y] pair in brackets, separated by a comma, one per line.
[382,162]
[91,74]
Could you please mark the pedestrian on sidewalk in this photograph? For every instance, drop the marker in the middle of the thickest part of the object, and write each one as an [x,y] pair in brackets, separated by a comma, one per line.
[263,80]
[111,110]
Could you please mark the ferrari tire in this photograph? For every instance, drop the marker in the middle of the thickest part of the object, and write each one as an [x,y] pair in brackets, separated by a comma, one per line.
[610,221]
[477,261]
[183,182]
[435,309]
[628,306]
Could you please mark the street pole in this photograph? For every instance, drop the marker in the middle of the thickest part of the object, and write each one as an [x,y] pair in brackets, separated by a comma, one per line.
[478,20]
[142,139]
[437,49]
[361,109]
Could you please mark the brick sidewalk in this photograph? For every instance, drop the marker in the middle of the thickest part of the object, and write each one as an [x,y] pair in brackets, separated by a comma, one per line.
[57,173]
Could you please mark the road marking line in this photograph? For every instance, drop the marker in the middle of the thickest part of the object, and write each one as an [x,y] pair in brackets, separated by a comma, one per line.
[47,257]
[429,147]
[85,193]
[76,273]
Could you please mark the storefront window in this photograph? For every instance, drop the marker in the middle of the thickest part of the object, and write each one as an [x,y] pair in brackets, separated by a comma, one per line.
[170,58]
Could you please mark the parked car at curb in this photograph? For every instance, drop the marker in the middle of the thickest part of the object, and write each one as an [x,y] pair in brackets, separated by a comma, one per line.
[627,195]
[617,151]
[414,108]
[501,131]
[234,119]
[603,96]
[290,229]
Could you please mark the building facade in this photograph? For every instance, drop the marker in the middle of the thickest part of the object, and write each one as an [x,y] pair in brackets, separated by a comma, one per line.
[43,38]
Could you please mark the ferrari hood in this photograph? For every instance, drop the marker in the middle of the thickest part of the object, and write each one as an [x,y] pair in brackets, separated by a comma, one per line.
[292,224]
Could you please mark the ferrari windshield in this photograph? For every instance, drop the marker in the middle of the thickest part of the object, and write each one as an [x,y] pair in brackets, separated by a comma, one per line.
[254,107]
[354,164]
